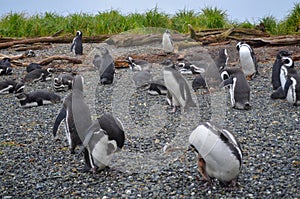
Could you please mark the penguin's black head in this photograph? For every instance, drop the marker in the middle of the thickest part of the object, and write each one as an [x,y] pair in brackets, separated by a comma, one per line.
[287,61]
[19,87]
[129,60]
[6,59]
[21,96]
[283,53]
[78,33]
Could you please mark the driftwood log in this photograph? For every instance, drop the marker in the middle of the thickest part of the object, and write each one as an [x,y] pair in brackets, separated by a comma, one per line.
[254,37]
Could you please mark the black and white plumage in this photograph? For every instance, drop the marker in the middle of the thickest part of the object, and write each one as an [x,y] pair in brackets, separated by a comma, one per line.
[188,68]
[77,43]
[5,66]
[138,64]
[103,138]
[276,68]
[66,114]
[199,83]
[33,66]
[286,68]
[219,153]
[239,88]
[178,89]
[167,42]
[38,98]
[248,60]
[10,86]
[105,64]
[63,82]
[222,59]
[38,75]
[292,89]
[157,87]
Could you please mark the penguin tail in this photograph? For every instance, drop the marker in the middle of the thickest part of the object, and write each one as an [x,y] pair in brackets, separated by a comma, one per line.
[60,117]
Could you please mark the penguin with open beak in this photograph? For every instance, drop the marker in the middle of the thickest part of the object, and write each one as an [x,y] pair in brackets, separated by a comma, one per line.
[219,153]
[178,89]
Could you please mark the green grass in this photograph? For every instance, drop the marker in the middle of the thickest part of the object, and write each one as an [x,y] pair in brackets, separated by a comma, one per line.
[112,22]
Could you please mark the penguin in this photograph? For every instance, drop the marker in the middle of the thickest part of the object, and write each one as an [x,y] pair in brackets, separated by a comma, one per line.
[222,60]
[167,42]
[178,89]
[77,43]
[238,87]
[157,87]
[137,64]
[276,68]
[38,98]
[38,75]
[29,53]
[199,83]
[219,153]
[63,82]
[33,66]
[5,67]
[286,68]
[292,89]
[106,66]
[10,86]
[248,60]
[104,137]
[141,78]
[75,114]
[188,68]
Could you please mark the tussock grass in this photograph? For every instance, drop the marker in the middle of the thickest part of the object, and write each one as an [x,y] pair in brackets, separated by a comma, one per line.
[112,21]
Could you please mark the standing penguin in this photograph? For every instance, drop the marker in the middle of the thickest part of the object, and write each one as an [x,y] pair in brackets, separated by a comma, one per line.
[248,60]
[105,64]
[167,42]
[292,89]
[104,137]
[222,60]
[276,68]
[238,87]
[77,42]
[10,86]
[286,68]
[219,153]
[178,89]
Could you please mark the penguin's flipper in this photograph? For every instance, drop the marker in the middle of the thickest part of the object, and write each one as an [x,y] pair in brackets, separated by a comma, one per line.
[227,82]
[60,117]
[287,85]
[278,94]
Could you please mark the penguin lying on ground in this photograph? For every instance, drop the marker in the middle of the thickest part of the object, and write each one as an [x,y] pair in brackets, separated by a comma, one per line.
[33,66]
[167,42]
[138,65]
[5,66]
[292,89]
[157,87]
[277,66]
[103,138]
[286,68]
[38,75]
[248,60]
[38,98]
[219,153]
[66,114]
[238,87]
[105,64]
[178,89]
[77,43]
[188,68]
[10,86]
[63,82]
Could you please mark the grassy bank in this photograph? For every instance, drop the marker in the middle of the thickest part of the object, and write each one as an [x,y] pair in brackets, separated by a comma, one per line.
[109,22]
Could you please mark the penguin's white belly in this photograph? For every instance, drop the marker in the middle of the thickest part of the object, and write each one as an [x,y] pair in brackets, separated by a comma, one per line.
[291,95]
[221,163]
[67,129]
[173,86]
[247,63]
[100,153]
[282,79]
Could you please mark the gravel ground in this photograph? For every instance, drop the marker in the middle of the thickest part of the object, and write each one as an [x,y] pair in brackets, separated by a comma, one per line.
[35,165]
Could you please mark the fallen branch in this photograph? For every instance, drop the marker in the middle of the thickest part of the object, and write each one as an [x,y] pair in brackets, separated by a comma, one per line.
[48,60]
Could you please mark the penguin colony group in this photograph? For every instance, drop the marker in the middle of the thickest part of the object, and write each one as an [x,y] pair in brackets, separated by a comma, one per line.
[218,152]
